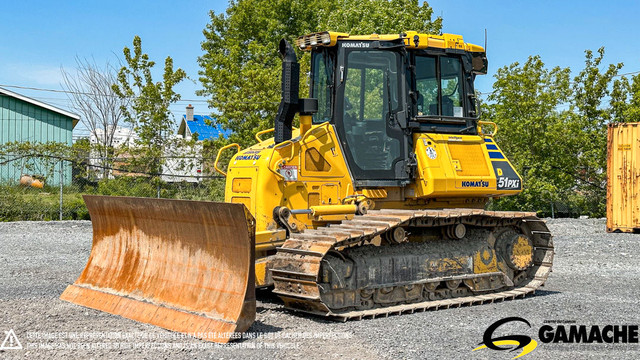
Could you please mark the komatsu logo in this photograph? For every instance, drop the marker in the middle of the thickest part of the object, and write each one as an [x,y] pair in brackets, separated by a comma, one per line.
[478,183]
[247,157]
[355,45]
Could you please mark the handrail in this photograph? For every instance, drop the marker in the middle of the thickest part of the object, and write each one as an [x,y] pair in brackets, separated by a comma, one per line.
[495,126]
[313,130]
[277,164]
[291,155]
[262,132]
[215,164]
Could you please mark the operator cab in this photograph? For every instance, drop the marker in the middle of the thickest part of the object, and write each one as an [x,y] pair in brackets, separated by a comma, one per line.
[378,90]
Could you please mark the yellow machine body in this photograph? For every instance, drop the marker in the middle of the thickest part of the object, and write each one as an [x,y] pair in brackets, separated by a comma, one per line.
[309,171]
[192,266]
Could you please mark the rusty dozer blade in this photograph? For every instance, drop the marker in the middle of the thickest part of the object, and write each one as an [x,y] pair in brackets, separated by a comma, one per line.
[186,266]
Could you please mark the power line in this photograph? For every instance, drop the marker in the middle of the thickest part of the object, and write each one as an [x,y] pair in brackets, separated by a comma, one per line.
[629,73]
[482,93]
[79,93]
[89,93]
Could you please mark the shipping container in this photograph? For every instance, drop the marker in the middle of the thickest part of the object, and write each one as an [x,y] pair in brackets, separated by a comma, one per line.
[623,177]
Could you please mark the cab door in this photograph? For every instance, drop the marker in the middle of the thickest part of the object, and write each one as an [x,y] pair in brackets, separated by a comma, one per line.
[370,113]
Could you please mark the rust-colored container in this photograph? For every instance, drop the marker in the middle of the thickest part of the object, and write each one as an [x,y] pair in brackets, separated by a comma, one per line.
[623,177]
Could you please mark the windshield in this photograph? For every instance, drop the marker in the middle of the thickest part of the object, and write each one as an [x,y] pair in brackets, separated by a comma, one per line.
[448,87]
[322,85]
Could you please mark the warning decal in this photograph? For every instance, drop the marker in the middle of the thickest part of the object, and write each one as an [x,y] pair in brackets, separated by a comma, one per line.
[289,172]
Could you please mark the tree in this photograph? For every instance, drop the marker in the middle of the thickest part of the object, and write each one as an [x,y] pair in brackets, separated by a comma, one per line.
[625,99]
[91,94]
[594,109]
[240,65]
[149,110]
[554,131]
[524,104]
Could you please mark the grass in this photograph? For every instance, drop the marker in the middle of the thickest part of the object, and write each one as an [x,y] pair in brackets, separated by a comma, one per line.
[19,203]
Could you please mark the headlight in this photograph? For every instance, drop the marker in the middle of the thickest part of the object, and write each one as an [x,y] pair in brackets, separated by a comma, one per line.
[325,38]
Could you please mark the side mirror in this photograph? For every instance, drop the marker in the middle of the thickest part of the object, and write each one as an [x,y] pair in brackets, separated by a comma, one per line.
[479,63]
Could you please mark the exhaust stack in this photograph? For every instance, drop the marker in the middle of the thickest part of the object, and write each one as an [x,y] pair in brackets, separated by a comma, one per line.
[290,86]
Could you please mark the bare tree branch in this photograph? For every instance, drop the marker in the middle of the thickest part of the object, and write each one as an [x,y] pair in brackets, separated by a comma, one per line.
[90,92]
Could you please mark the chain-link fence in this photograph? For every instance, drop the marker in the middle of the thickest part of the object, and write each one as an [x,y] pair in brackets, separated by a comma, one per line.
[49,188]
[558,209]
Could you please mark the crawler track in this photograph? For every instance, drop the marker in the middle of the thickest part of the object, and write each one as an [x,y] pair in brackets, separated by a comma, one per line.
[297,267]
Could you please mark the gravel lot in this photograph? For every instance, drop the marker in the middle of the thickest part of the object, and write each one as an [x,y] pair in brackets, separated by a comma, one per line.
[595,281]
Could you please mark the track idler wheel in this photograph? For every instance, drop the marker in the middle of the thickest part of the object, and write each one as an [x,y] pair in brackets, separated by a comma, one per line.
[516,250]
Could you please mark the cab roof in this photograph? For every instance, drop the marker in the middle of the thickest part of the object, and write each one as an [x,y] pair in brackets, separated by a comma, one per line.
[412,40]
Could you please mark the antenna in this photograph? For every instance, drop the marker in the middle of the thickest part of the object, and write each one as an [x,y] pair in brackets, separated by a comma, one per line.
[485,40]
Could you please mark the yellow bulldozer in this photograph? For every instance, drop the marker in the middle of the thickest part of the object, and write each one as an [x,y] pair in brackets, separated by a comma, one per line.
[373,206]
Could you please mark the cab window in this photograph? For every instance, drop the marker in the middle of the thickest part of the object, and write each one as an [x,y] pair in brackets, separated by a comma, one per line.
[370,97]
[322,85]
[439,95]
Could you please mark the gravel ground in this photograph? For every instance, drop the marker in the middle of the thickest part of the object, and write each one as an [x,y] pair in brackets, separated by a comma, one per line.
[595,282]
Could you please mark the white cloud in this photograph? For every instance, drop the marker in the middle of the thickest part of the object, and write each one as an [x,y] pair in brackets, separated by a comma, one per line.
[31,74]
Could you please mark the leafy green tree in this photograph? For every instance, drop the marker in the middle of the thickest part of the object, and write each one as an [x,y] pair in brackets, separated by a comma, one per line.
[149,109]
[240,65]
[633,111]
[625,99]
[523,104]
[594,109]
[554,131]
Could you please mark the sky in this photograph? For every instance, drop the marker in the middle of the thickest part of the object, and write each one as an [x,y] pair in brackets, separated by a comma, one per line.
[39,37]
[558,31]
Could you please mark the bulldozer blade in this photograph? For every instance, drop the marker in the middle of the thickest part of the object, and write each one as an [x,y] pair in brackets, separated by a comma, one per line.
[186,266]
